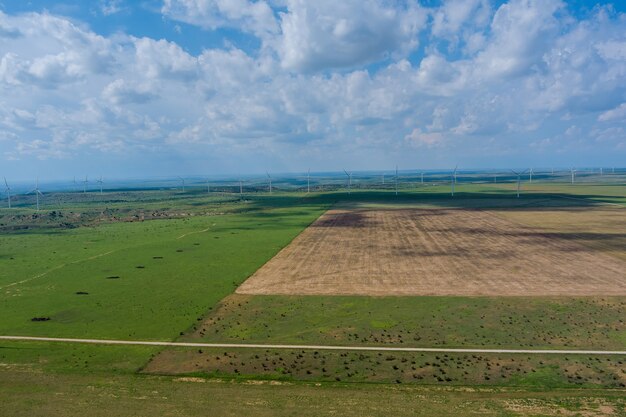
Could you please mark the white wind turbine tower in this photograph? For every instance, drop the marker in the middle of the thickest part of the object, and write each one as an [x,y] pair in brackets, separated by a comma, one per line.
[308,181]
[75,184]
[7,189]
[383,178]
[453,179]
[349,181]
[85,185]
[601,172]
[573,173]
[270,180]
[37,192]
[422,174]
[530,176]
[183,182]
[100,181]
[396,179]
[240,187]
[208,187]
[519,179]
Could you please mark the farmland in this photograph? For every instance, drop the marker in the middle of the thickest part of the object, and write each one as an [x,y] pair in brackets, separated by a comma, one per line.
[369,269]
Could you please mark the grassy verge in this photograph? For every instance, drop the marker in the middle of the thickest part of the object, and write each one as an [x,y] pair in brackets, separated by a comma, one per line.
[28,394]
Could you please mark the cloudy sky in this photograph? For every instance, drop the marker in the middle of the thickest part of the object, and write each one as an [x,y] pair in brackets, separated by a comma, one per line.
[164,87]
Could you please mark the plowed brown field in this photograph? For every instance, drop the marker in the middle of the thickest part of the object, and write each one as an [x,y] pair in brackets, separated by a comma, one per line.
[434,252]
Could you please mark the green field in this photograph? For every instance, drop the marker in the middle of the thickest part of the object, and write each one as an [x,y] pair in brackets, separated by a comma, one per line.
[163,266]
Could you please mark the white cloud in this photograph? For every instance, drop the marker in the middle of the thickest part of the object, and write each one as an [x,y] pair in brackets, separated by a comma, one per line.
[513,74]
[618,113]
[332,34]
[252,16]
[109,7]
[121,92]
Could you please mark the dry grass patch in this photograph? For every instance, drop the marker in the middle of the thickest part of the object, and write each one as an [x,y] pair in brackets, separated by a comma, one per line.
[435,252]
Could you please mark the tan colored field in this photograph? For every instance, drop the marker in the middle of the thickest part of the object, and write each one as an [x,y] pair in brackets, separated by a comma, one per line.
[437,252]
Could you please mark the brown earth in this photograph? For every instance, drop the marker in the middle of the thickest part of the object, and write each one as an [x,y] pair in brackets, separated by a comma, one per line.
[437,252]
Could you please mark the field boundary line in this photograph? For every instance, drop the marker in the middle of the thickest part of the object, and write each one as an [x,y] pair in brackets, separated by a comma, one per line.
[310,347]
[91,258]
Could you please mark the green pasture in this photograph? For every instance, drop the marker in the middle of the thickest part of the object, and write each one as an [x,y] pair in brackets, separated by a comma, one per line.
[98,271]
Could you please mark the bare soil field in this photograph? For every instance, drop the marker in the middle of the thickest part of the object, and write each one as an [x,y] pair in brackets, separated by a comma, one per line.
[439,252]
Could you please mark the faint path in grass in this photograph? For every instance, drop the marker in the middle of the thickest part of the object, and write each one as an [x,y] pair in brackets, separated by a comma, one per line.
[193,233]
[83,260]
[311,347]
[56,268]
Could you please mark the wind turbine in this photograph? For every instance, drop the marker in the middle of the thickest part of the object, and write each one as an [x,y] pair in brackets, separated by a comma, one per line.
[85,185]
[453,179]
[240,187]
[519,179]
[8,191]
[422,177]
[208,187]
[100,182]
[573,173]
[308,181]
[37,192]
[349,181]
[75,184]
[383,178]
[530,176]
[183,181]
[270,180]
[601,172]
[396,179]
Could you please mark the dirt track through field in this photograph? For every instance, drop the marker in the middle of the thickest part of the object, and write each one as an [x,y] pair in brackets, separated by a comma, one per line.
[311,347]
[434,252]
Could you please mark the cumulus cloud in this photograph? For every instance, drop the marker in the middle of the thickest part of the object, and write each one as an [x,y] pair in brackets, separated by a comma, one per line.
[485,76]
[331,34]
[253,16]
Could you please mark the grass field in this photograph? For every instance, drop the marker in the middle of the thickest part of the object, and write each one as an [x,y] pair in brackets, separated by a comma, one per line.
[51,395]
[108,274]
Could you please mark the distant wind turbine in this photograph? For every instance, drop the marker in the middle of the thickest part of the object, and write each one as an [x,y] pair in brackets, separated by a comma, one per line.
[530,176]
[208,187]
[85,185]
[453,179]
[183,182]
[308,181]
[7,189]
[396,179]
[270,180]
[573,173]
[349,181]
[519,179]
[100,181]
[37,192]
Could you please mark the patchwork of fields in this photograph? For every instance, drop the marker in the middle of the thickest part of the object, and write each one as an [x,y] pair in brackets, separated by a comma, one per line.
[483,270]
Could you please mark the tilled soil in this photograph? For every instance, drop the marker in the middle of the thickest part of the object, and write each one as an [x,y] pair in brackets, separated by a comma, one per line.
[434,252]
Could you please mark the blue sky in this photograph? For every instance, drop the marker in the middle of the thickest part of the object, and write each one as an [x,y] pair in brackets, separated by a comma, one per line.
[125,88]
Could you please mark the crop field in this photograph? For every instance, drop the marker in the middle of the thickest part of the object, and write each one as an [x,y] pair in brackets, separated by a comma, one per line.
[439,252]
[369,269]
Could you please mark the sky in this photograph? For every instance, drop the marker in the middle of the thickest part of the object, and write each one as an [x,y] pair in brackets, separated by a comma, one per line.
[124,88]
